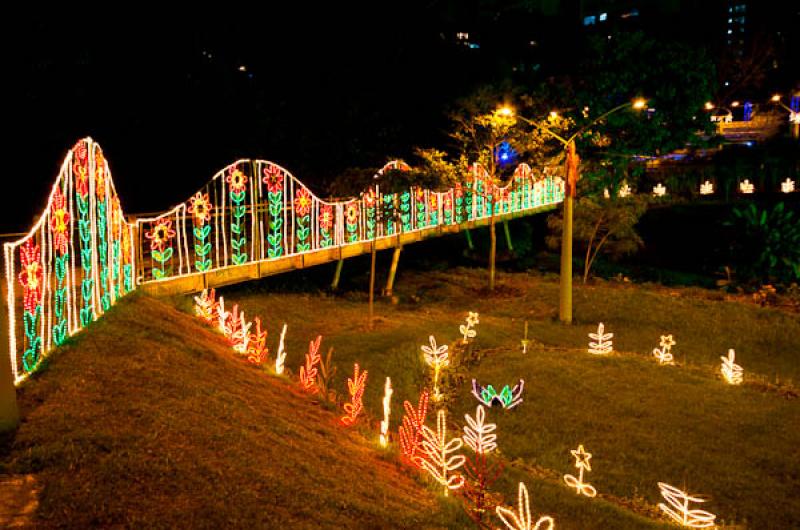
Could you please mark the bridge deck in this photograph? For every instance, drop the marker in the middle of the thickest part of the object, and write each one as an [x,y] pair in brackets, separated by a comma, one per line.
[260,269]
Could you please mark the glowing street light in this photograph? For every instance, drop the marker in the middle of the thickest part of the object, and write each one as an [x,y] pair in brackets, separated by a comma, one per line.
[572,162]
[794,117]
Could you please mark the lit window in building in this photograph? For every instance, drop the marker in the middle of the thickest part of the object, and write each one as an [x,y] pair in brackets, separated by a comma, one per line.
[730,21]
[730,31]
[474,45]
[461,35]
[741,8]
[740,20]
[588,21]
[603,17]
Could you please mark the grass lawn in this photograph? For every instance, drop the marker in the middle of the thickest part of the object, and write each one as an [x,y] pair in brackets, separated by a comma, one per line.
[644,423]
[149,419]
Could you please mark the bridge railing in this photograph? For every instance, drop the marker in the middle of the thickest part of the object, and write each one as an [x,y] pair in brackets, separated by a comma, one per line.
[82,255]
[255,210]
[75,262]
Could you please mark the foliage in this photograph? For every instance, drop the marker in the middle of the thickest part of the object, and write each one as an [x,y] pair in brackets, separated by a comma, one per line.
[769,246]
[602,225]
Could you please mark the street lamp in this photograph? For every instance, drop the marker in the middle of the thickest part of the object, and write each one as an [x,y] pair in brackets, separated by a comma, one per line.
[794,117]
[572,162]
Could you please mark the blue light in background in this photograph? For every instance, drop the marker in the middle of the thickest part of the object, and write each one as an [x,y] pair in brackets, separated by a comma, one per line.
[748,111]
[505,154]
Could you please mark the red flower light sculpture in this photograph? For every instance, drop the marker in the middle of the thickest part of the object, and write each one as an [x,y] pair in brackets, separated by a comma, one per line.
[273,178]
[59,219]
[31,275]
[161,234]
[302,202]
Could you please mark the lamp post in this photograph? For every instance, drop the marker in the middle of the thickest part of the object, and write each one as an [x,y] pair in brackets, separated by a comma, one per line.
[572,164]
[794,117]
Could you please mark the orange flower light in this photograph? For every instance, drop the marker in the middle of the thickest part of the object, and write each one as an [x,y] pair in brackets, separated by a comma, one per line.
[200,208]
[161,234]
[59,219]
[237,180]
[31,275]
[302,202]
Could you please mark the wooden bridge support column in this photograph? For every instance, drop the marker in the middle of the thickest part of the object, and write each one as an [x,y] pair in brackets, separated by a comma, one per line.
[392,271]
[337,274]
[372,285]
[508,236]
[9,414]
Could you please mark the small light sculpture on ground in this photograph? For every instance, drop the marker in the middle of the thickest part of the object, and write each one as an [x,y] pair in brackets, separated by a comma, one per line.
[280,357]
[468,330]
[706,188]
[437,358]
[664,355]
[439,459]
[604,344]
[355,387]
[478,434]
[746,187]
[659,190]
[308,373]
[731,371]
[678,509]
[410,432]
[582,463]
[387,400]
[507,397]
[522,519]
[787,186]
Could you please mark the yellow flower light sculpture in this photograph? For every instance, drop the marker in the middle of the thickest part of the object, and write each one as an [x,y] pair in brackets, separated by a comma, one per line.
[664,355]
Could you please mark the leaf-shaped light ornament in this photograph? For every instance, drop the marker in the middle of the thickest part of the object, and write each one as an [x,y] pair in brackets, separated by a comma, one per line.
[439,460]
[522,520]
[479,435]
[508,397]
[437,358]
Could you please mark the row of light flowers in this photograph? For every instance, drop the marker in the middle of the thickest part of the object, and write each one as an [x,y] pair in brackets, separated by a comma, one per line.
[706,188]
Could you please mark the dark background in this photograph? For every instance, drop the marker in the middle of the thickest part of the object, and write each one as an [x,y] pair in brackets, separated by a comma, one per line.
[324,87]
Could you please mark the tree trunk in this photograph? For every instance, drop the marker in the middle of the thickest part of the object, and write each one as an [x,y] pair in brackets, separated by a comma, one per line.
[372,285]
[392,271]
[492,249]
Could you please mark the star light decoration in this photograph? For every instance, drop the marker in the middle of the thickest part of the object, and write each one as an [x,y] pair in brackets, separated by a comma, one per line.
[604,344]
[787,186]
[468,330]
[280,356]
[746,187]
[706,188]
[437,459]
[437,358]
[508,397]
[355,387]
[659,190]
[664,355]
[522,520]
[387,400]
[582,463]
[731,371]
[677,508]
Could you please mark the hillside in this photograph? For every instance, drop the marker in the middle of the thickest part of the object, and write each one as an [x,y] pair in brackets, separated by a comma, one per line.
[148,420]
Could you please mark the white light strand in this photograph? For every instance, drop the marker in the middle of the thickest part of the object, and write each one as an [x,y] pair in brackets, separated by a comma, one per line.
[479,435]
[387,400]
[438,450]
[280,357]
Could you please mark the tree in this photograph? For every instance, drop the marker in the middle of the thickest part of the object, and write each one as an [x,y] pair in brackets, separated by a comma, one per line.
[602,226]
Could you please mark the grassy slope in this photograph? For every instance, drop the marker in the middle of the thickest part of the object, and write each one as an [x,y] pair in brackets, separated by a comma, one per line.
[148,420]
[643,423]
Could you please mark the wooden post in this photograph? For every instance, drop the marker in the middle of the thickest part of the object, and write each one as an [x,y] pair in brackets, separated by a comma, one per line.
[392,270]
[9,414]
[492,248]
[372,285]
[337,274]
